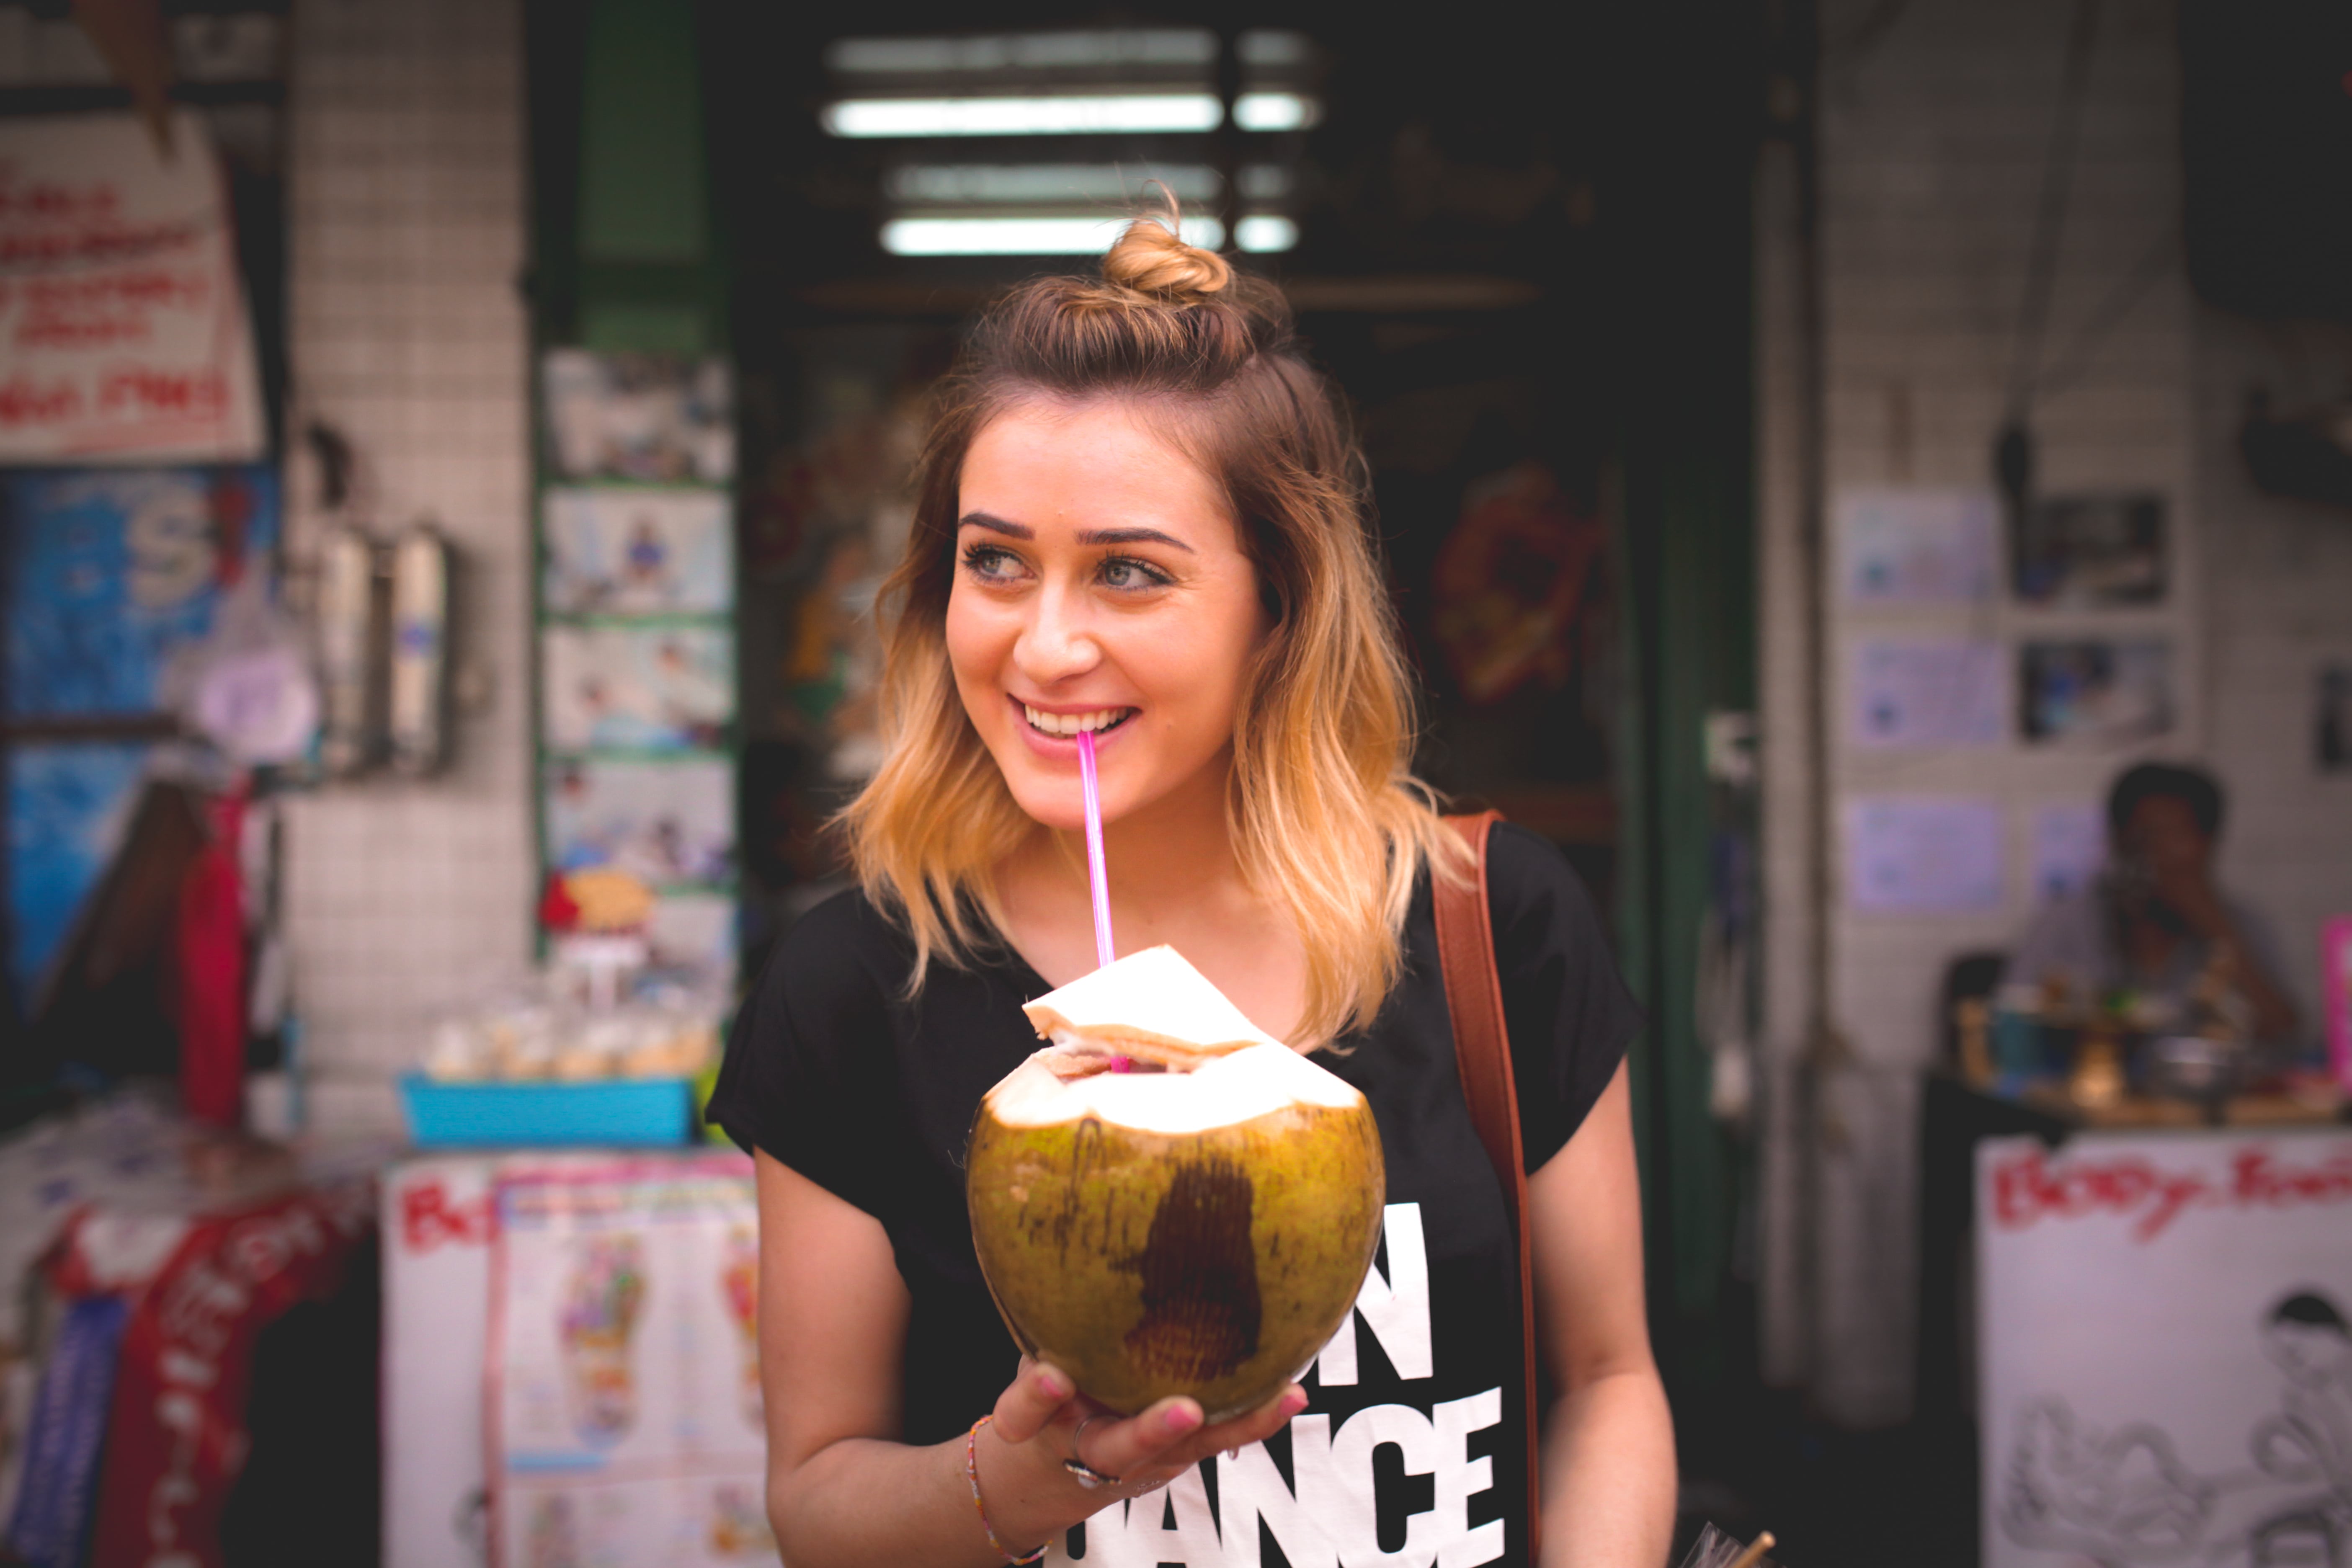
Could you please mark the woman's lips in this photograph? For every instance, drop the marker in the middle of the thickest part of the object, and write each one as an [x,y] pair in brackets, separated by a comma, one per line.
[1046,743]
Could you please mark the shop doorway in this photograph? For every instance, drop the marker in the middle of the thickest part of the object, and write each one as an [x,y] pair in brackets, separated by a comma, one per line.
[1518,244]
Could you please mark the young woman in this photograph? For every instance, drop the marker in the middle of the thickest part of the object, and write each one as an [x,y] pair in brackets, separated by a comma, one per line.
[1139,515]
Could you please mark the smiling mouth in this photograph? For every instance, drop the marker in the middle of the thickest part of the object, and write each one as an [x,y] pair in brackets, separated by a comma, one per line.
[1062,726]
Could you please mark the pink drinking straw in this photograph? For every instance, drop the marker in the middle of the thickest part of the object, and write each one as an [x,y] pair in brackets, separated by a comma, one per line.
[1097,883]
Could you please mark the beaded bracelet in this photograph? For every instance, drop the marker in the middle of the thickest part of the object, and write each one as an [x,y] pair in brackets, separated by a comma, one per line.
[971,1474]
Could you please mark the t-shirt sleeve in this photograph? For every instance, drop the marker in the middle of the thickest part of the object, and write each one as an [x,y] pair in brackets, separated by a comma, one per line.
[806,1075]
[1565,1003]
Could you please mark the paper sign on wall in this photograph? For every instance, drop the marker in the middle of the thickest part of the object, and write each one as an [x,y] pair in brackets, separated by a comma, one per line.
[124,334]
[2070,845]
[2166,1365]
[1946,692]
[1913,855]
[1909,546]
[625,1410]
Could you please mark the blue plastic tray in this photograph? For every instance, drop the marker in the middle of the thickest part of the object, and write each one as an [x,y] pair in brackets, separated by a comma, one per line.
[638,1112]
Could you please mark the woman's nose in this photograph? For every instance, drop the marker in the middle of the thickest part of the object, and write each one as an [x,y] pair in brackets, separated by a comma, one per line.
[1056,643]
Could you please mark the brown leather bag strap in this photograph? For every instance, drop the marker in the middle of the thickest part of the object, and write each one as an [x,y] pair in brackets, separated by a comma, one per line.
[1482,1048]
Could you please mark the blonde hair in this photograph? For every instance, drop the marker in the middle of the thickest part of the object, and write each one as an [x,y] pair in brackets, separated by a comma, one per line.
[1328,822]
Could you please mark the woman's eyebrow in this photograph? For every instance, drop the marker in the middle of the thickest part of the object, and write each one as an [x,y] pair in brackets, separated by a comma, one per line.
[1132,536]
[995,524]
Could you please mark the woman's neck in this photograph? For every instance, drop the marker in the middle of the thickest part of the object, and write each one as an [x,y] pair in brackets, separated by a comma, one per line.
[1178,847]
[1173,877]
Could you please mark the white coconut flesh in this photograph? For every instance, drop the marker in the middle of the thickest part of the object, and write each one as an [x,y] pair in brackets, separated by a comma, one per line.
[1256,1081]
[1151,1007]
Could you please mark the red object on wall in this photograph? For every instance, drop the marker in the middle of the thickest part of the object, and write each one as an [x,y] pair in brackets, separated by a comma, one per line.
[208,965]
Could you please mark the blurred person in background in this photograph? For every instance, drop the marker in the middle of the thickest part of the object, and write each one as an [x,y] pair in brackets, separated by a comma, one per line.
[2154,925]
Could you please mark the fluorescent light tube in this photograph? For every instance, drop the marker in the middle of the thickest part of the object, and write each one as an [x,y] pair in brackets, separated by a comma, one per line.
[1068,115]
[1026,236]
[1277,111]
[1029,51]
[1263,232]
[939,185]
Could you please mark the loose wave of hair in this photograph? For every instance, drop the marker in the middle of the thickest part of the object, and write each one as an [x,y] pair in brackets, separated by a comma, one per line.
[1328,822]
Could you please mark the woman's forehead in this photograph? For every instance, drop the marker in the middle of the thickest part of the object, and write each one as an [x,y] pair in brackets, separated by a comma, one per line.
[1051,465]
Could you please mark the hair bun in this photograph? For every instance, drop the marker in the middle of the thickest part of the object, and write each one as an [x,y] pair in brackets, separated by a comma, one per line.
[1149,258]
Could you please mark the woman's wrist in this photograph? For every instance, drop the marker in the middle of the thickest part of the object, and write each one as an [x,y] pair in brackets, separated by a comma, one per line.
[1025,1503]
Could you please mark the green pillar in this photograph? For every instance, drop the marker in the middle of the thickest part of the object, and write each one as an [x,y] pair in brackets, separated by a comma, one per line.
[626,253]
[1679,207]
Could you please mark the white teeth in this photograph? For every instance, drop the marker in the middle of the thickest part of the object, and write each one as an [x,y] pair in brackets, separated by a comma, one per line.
[1071,723]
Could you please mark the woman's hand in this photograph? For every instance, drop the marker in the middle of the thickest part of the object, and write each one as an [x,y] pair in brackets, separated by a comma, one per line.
[1042,1421]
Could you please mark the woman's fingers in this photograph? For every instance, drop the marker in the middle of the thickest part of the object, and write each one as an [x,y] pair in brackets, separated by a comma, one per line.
[1127,1448]
[1029,1404]
[1256,1426]
[1170,1436]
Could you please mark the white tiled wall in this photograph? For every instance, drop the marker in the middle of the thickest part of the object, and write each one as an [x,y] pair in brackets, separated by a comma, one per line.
[407,220]
[1932,145]
[2279,605]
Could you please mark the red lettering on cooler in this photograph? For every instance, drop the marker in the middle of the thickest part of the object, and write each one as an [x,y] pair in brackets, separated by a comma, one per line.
[2030,1188]
[427,1218]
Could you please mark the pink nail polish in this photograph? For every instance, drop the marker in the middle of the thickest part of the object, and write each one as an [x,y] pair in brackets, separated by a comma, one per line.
[1182,1420]
[1051,1387]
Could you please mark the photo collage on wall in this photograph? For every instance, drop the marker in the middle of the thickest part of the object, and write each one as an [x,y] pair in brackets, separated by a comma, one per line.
[637,650]
[2085,572]
[1974,627]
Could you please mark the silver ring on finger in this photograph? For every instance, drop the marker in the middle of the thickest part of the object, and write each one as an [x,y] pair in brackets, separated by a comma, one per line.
[1088,1476]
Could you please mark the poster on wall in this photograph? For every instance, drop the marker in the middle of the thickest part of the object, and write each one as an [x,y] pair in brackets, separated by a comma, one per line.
[121,314]
[2097,691]
[660,822]
[2095,551]
[2165,1344]
[1923,693]
[112,573]
[1917,546]
[630,551]
[637,688]
[2069,847]
[1923,855]
[656,418]
[69,803]
[624,1405]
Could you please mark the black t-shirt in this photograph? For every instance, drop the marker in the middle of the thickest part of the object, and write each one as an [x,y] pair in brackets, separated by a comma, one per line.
[1414,1434]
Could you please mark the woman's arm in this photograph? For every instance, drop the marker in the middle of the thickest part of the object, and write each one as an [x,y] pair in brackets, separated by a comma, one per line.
[842,1489]
[1608,1441]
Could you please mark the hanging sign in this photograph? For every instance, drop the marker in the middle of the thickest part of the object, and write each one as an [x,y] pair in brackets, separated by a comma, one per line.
[124,334]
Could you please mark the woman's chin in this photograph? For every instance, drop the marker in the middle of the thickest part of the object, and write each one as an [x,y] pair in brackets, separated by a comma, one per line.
[1060,816]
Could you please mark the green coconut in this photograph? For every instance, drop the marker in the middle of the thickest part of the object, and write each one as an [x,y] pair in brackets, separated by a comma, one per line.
[1199,1223]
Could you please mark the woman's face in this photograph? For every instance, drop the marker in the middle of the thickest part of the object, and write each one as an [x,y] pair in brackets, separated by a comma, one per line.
[1099,584]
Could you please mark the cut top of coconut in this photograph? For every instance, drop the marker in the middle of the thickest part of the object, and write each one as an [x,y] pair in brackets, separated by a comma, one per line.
[1254,1080]
[1151,1006]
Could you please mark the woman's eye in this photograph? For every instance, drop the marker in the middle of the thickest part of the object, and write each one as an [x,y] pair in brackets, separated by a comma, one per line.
[992,564]
[1126,572]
